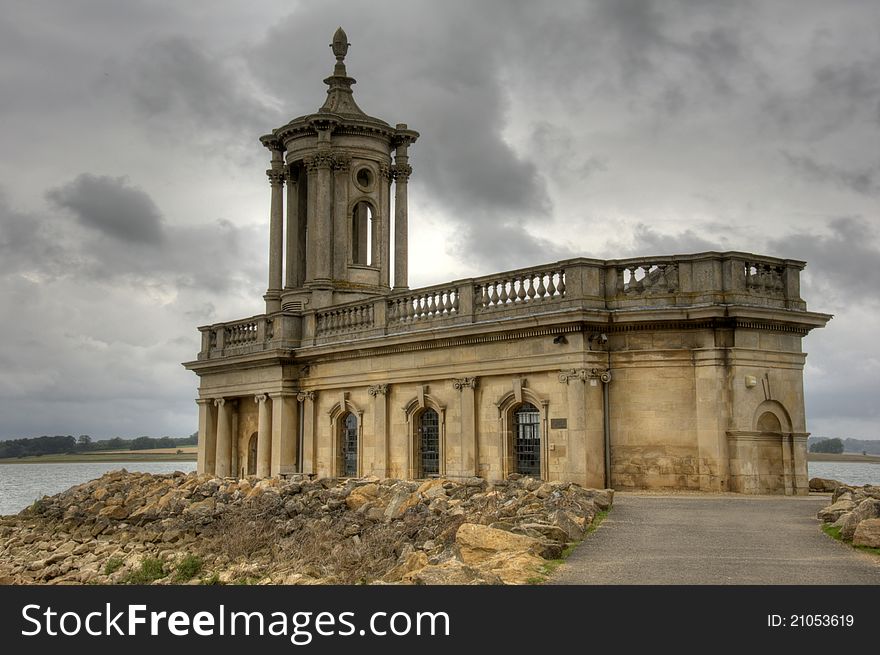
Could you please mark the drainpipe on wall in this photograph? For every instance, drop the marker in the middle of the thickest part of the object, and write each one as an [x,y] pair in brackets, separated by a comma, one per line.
[606,423]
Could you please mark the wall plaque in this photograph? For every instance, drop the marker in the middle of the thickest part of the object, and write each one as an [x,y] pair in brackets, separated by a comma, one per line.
[558,423]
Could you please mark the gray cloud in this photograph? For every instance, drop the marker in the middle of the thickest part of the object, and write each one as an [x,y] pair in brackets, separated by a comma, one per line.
[842,262]
[112,206]
[863,181]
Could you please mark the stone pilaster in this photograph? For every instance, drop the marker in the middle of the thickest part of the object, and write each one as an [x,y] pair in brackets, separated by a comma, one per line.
[309,436]
[320,166]
[382,447]
[264,437]
[223,462]
[207,436]
[470,445]
[285,428]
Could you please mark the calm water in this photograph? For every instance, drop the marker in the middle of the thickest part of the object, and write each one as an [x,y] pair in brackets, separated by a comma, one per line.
[22,484]
[856,473]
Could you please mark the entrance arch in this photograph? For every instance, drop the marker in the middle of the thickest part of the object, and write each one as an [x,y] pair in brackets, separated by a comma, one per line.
[527,440]
[348,442]
[428,426]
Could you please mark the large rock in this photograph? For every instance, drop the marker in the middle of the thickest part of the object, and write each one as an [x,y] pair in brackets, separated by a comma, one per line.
[867,509]
[478,543]
[867,533]
[824,485]
[832,512]
[362,495]
[450,572]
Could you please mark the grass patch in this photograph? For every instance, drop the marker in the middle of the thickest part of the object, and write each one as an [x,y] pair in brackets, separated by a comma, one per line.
[151,570]
[834,533]
[112,565]
[550,566]
[213,579]
[188,568]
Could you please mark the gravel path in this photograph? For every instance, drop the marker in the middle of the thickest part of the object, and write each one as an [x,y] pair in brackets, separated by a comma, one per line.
[715,539]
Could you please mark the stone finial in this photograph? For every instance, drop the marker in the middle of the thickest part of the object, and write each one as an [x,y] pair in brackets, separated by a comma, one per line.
[340,44]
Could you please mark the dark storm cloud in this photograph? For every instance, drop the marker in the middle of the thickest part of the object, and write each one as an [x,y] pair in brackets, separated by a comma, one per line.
[842,263]
[112,206]
[863,181]
[177,87]
[440,74]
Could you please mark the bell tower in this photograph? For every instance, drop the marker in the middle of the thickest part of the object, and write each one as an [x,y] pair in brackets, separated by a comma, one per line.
[334,240]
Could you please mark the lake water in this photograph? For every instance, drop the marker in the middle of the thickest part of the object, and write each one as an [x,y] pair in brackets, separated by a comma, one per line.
[855,473]
[22,484]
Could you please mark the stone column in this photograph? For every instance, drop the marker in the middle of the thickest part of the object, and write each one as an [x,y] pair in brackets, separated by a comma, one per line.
[276,231]
[310,449]
[264,437]
[321,229]
[470,446]
[341,218]
[292,265]
[401,170]
[383,226]
[285,425]
[224,438]
[380,462]
[207,437]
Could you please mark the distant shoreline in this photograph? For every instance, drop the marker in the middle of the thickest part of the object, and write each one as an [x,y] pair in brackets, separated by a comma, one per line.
[101,457]
[843,457]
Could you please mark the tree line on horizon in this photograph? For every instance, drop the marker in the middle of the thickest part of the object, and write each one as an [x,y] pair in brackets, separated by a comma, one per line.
[848,445]
[69,445]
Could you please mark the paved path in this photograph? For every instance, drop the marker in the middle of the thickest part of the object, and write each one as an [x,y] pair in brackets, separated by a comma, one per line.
[715,539]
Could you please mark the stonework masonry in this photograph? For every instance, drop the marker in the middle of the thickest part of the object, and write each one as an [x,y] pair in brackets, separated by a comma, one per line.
[696,357]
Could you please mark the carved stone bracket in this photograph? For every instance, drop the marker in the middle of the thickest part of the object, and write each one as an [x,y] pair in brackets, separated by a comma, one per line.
[464,383]
[385,172]
[584,374]
[377,389]
[581,374]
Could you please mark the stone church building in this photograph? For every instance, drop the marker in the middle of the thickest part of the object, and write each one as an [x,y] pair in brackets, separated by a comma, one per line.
[681,371]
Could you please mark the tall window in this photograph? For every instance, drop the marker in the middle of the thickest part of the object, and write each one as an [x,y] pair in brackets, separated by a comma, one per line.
[527,440]
[429,443]
[252,455]
[349,446]
[362,234]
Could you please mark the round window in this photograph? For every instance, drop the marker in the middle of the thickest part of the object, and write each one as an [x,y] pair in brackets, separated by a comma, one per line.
[364,178]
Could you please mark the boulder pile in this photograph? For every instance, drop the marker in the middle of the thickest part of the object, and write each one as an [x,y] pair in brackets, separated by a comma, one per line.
[188,528]
[856,512]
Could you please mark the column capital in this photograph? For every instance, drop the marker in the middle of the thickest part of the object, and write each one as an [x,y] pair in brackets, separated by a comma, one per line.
[377,389]
[302,396]
[581,374]
[276,176]
[260,398]
[401,173]
[385,172]
[341,161]
[464,383]
[320,160]
[219,402]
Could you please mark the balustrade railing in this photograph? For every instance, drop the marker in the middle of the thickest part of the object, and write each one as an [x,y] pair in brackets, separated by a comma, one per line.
[519,288]
[344,319]
[675,281]
[424,305]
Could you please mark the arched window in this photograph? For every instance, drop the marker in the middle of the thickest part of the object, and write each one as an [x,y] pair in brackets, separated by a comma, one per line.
[362,234]
[769,422]
[429,443]
[527,440]
[348,442]
[252,455]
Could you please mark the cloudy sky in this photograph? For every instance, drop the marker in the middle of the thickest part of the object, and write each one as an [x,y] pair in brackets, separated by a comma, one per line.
[134,203]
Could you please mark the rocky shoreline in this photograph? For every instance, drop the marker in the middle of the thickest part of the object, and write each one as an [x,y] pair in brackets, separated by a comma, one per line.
[855,511]
[197,529]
